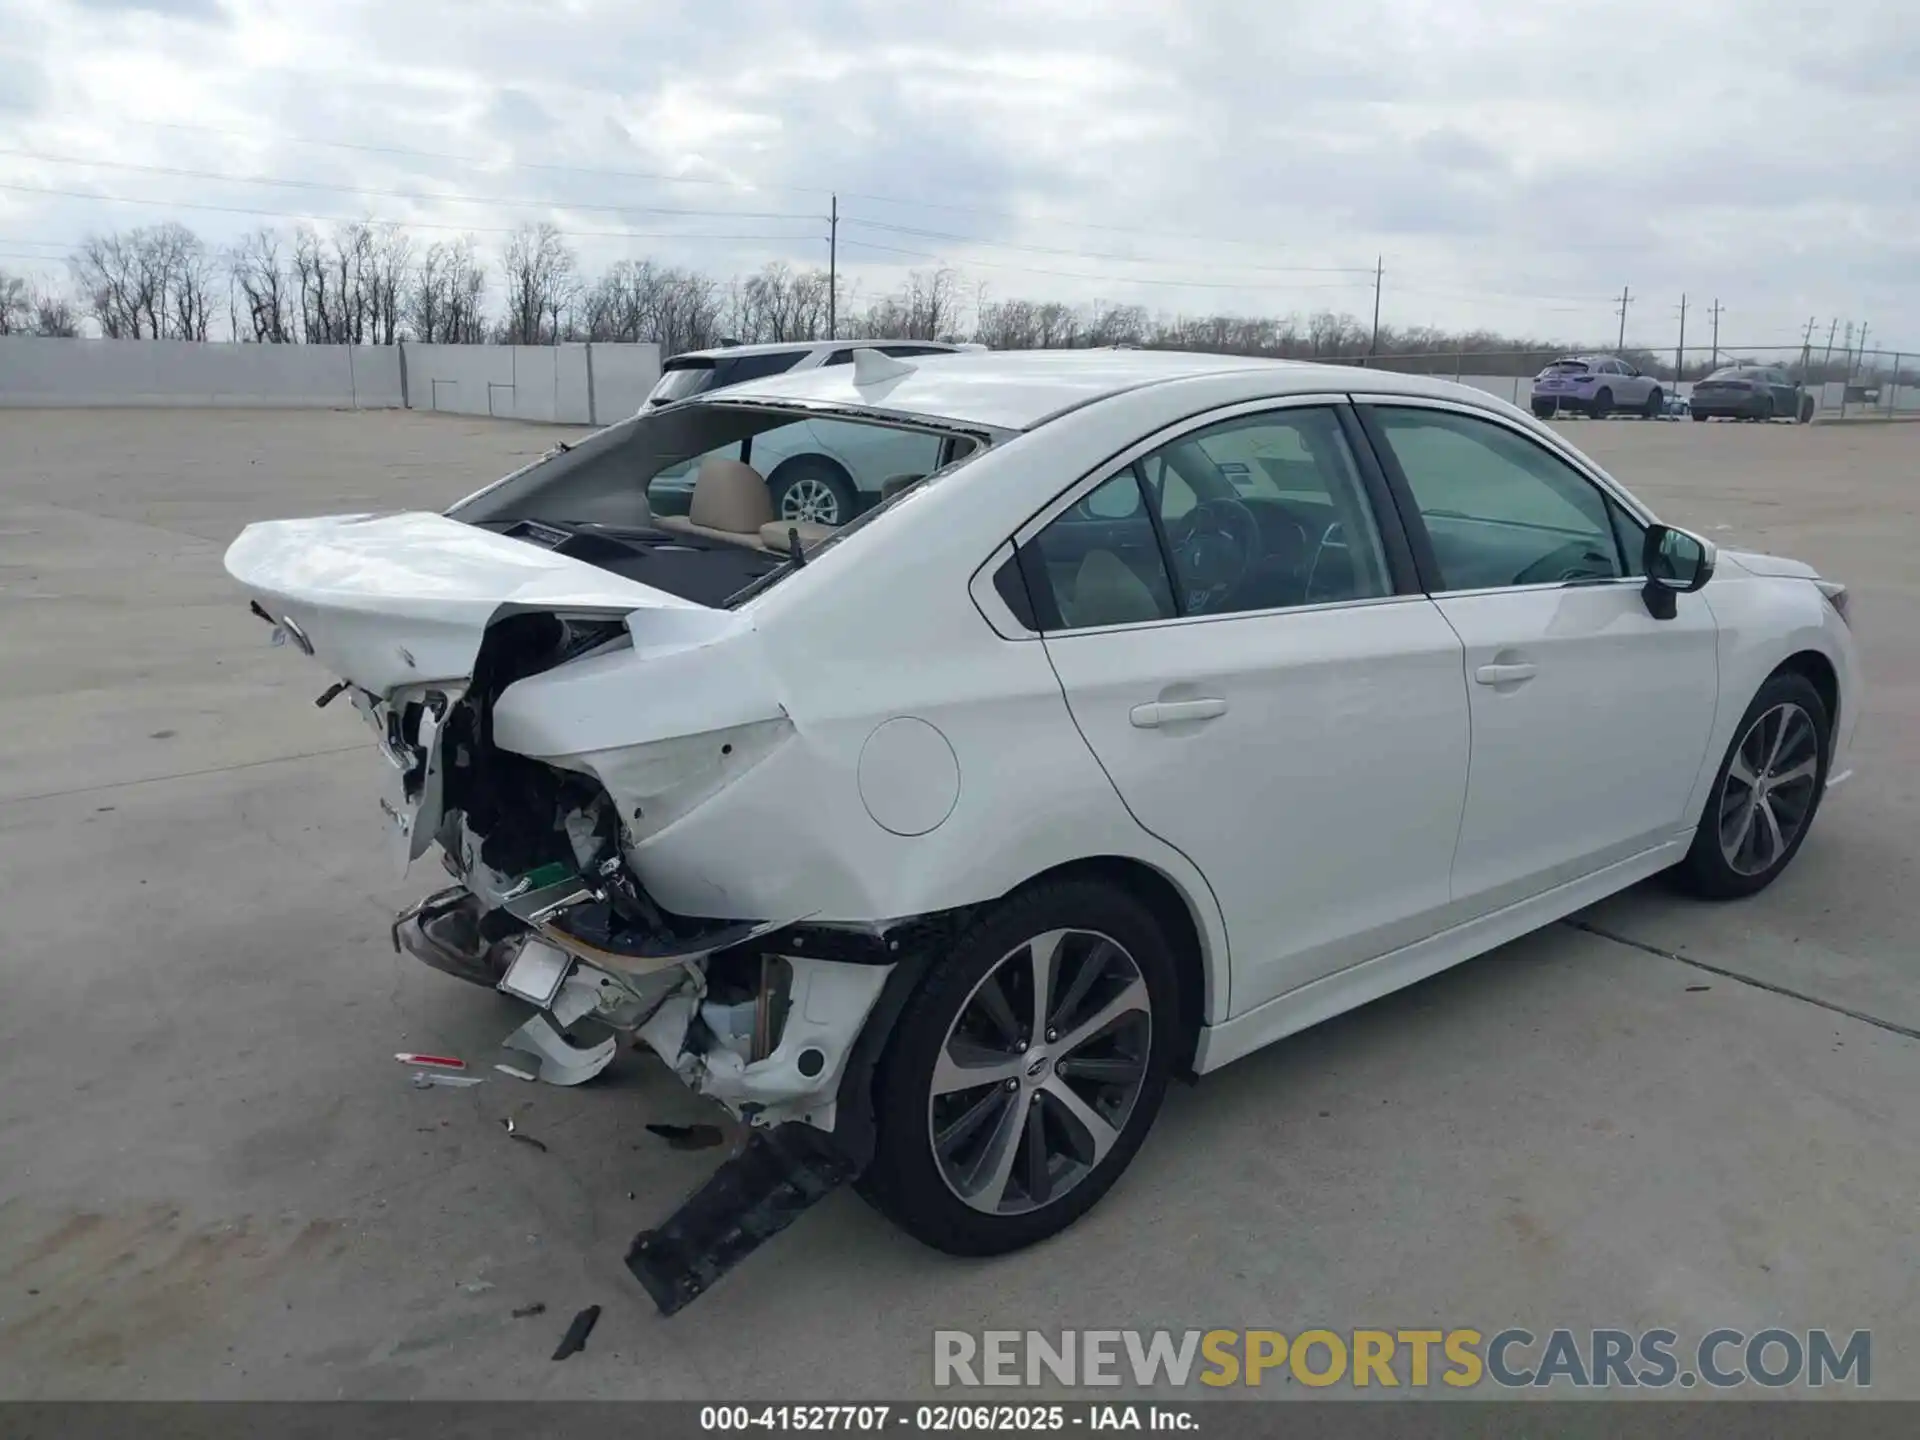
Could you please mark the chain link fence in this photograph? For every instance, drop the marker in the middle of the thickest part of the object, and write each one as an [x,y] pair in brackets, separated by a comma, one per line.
[1840,383]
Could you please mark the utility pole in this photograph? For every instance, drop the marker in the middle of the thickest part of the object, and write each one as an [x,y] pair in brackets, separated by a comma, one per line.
[833,267]
[1680,350]
[1715,313]
[1861,362]
[1379,269]
[1626,299]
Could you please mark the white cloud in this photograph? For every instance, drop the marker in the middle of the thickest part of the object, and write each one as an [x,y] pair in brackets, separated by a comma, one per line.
[1516,165]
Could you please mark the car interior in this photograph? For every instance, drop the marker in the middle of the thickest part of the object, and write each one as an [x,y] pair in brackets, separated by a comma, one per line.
[1255,515]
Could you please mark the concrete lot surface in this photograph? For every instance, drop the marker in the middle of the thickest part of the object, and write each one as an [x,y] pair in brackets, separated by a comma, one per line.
[215,1181]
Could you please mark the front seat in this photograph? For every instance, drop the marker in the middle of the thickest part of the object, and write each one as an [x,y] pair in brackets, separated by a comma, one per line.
[730,502]
[1106,591]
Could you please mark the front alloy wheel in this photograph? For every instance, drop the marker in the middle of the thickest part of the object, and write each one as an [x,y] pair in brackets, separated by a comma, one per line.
[1768,797]
[1765,796]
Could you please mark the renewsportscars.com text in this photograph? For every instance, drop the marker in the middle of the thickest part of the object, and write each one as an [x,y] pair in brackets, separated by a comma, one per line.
[1461,1358]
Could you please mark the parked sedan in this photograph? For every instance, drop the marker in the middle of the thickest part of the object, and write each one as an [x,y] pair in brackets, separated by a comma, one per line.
[1192,701]
[1749,392]
[1596,386]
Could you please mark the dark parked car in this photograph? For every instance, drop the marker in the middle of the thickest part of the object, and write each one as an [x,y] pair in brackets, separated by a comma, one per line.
[1595,385]
[1750,392]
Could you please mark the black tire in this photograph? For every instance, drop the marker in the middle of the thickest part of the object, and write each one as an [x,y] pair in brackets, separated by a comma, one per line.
[1602,403]
[905,1181]
[1543,412]
[1707,871]
[1806,410]
[1697,414]
[1655,402]
[812,487]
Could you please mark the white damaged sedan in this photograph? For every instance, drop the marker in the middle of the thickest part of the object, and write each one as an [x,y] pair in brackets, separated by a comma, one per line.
[1176,703]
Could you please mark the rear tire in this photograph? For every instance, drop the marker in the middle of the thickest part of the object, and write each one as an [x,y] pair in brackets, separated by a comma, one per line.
[1602,403]
[1765,412]
[987,1167]
[1767,792]
[1806,409]
[1655,403]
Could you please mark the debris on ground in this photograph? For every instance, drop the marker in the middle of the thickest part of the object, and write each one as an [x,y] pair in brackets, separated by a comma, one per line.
[518,1073]
[515,1133]
[525,1312]
[477,1287]
[688,1137]
[444,1062]
[1696,989]
[427,1079]
[575,1340]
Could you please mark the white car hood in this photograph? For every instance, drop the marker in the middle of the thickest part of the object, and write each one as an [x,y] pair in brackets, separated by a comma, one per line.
[1771,566]
[403,599]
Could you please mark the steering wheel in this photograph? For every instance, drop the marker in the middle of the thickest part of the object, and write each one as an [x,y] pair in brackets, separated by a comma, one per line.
[1215,549]
[1575,560]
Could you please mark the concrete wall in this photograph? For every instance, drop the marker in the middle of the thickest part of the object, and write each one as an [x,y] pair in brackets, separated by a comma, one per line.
[183,372]
[570,384]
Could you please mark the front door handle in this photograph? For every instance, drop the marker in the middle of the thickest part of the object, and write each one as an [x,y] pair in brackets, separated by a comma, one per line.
[1503,674]
[1167,712]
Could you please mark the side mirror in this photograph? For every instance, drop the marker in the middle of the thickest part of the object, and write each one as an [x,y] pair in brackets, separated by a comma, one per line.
[1677,562]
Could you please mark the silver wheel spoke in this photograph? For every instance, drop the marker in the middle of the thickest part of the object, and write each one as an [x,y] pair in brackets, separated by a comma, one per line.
[1133,998]
[1805,770]
[1098,1133]
[1090,971]
[1039,1176]
[955,1135]
[1740,770]
[1045,950]
[985,1182]
[1779,739]
[1775,842]
[966,1066]
[1738,844]
[993,1000]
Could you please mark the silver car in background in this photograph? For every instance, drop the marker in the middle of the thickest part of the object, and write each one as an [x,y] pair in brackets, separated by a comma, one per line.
[1595,386]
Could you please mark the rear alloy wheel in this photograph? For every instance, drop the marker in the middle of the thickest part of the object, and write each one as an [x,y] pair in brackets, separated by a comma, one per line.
[814,489]
[1766,794]
[1022,1077]
[1602,403]
[1656,403]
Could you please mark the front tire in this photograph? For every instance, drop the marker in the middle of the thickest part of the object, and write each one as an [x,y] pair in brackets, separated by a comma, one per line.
[1656,402]
[1602,403]
[1006,1108]
[1764,799]
[813,488]
[1806,409]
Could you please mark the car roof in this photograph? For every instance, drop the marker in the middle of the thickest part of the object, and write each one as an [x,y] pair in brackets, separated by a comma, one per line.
[1017,390]
[794,347]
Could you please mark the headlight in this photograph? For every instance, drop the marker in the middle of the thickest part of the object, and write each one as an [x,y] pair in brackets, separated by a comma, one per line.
[1836,594]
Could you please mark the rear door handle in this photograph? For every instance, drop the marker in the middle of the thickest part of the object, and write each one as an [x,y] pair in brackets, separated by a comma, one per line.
[1166,712]
[1503,674]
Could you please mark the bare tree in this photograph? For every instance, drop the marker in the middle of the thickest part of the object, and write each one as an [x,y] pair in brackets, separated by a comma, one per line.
[780,303]
[444,295]
[16,306]
[388,272]
[155,282]
[54,316]
[542,284]
[263,274]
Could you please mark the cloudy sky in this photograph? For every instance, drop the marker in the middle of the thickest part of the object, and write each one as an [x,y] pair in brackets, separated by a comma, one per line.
[1515,163]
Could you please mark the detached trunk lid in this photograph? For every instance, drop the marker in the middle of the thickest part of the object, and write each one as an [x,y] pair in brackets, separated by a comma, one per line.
[395,600]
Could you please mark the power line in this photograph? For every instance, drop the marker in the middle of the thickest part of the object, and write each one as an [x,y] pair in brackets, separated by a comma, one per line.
[1105,279]
[414,195]
[375,220]
[1101,255]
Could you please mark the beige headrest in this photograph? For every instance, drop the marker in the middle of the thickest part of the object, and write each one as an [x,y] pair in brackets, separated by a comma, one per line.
[894,484]
[1106,591]
[730,496]
[773,535]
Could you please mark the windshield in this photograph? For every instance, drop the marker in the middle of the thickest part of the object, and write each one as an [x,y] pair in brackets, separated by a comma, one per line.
[1566,367]
[682,378]
[1734,372]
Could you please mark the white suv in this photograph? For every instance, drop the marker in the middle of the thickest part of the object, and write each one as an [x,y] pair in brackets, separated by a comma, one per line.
[822,471]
